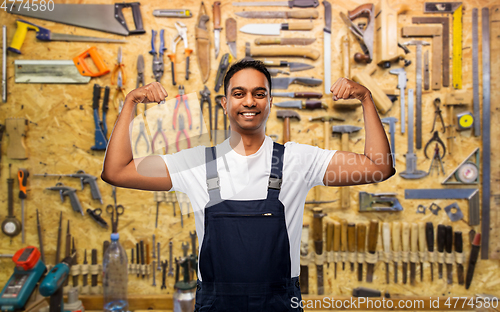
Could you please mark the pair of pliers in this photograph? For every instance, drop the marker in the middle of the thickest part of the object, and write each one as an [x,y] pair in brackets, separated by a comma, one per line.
[159,131]
[435,137]
[140,78]
[157,56]
[142,133]
[205,97]
[182,130]
[179,99]
[181,35]
[119,67]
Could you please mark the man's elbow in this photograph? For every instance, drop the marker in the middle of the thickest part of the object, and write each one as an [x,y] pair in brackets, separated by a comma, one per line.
[387,172]
[107,179]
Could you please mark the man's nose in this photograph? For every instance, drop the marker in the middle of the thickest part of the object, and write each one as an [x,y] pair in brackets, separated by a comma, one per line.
[249,100]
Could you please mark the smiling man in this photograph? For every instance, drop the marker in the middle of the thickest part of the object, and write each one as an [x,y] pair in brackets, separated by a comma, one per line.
[248,193]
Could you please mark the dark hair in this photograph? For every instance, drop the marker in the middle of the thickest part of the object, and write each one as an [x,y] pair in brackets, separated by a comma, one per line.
[242,64]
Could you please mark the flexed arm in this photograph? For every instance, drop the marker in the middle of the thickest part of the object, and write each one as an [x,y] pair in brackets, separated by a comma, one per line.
[375,165]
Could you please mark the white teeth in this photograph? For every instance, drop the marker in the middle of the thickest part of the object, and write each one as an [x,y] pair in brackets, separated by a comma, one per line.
[248,114]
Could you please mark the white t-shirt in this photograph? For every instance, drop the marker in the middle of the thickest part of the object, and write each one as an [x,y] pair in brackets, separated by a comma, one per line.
[246,178]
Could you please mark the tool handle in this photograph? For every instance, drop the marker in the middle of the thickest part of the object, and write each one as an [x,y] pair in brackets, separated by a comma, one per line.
[10,190]
[317,225]
[429,236]
[303,3]
[96,96]
[329,235]
[285,51]
[309,95]
[441,237]
[396,236]
[405,236]
[458,242]
[216,8]
[364,10]
[414,237]
[328,17]
[75,203]
[361,58]
[421,237]
[22,175]
[153,38]
[20,35]
[162,42]
[449,239]
[386,235]
[336,236]
[172,65]
[94,189]
[343,235]
[314,104]
[299,26]
[306,14]
[136,14]
[141,246]
[361,237]
[82,66]
[372,236]
[351,237]
[231,30]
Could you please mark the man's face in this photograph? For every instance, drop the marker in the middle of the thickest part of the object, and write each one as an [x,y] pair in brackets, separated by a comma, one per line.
[248,102]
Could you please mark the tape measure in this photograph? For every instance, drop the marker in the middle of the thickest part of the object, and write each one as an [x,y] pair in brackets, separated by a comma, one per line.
[465,121]
[467,173]
[457,48]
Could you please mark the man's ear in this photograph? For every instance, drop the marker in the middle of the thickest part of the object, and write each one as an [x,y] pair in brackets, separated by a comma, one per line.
[271,102]
[223,103]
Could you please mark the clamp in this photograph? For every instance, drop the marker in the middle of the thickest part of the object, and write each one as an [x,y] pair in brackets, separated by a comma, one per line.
[159,131]
[142,133]
[205,97]
[182,130]
[157,56]
[181,98]
[437,114]
[435,137]
[181,35]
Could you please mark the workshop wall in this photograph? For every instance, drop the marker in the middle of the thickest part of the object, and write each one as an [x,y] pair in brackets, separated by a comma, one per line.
[60,133]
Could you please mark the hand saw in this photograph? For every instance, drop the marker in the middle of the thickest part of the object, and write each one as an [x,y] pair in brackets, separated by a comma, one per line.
[102,17]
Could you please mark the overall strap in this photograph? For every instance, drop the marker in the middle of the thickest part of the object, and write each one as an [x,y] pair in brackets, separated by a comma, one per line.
[274,185]
[212,175]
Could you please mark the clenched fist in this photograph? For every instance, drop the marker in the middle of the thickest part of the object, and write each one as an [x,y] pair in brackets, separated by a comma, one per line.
[150,93]
[344,88]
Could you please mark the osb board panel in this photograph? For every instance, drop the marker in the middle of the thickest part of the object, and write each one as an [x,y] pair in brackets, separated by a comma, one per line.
[60,134]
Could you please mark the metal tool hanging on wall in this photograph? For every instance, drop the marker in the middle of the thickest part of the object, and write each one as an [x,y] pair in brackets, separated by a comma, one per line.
[365,37]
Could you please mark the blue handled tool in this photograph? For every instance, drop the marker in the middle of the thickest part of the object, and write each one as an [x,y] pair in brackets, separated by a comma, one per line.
[101,130]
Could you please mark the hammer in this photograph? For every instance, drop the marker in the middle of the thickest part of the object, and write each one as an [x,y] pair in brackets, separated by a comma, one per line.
[345,130]
[286,115]
[326,122]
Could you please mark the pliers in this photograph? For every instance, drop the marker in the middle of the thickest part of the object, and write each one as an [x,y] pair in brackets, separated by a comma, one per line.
[435,137]
[437,113]
[181,98]
[182,130]
[118,77]
[142,133]
[140,78]
[181,35]
[157,56]
[119,67]
[159,131]
[205,97]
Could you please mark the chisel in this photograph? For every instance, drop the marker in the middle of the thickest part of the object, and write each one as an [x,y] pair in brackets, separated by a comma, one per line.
[459,255]
[336,244]
[396,245]
[343,241]
[94,262]
[59,238]
[441,237]
[372,249]
[85,277]
[67,251]
[304,259]
[75,261]
[474,253]
[405,237]
[361,249]
[318,246]
[449,254]
[421,248]
[351,243]
[137,259]
[40,239]
[429,237]
[329,242]
[386,239]
[414,252]
[141,246]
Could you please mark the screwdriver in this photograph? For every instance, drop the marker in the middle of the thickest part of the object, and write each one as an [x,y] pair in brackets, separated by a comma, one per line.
[22,175]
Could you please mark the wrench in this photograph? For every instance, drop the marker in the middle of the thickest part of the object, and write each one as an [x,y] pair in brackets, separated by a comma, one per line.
[159,262]
[193,241]
[154,273]
[185,247]
[164,265]
[171,268]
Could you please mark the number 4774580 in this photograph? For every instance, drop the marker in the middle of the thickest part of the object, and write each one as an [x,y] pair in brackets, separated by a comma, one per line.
[27,5]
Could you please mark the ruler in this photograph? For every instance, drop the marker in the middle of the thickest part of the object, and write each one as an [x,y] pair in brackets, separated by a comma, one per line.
[475,72]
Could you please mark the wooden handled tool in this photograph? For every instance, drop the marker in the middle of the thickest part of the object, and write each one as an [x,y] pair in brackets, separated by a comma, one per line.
[449,253]
[361,249]
[414,252]
[372,249]
[336,243]
[405,237]
[381,100]
[396,247]
[343,241]
[441,237]
[386,239]
[421,247]
[318,245]
[459,257]
[351,242]
[329,240]
[429,236]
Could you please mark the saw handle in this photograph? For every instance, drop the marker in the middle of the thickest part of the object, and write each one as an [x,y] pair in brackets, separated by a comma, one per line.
[96,58]
[136,13]
[20,35]
[364,10]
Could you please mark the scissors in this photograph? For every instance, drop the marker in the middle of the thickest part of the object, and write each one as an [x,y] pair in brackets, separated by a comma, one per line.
[96,215]
[115,211]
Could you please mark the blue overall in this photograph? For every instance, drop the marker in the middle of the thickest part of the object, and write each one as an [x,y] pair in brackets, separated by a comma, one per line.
[245,254]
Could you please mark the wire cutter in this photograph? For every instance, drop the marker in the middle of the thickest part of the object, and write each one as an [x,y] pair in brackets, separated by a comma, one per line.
[119,67]
[119,96]
[142,133]
[182,130]
[437,113]
[159,131]
[140,78]
[435,137]
[181,35]
[157,56]
[181,98]
[205,97]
